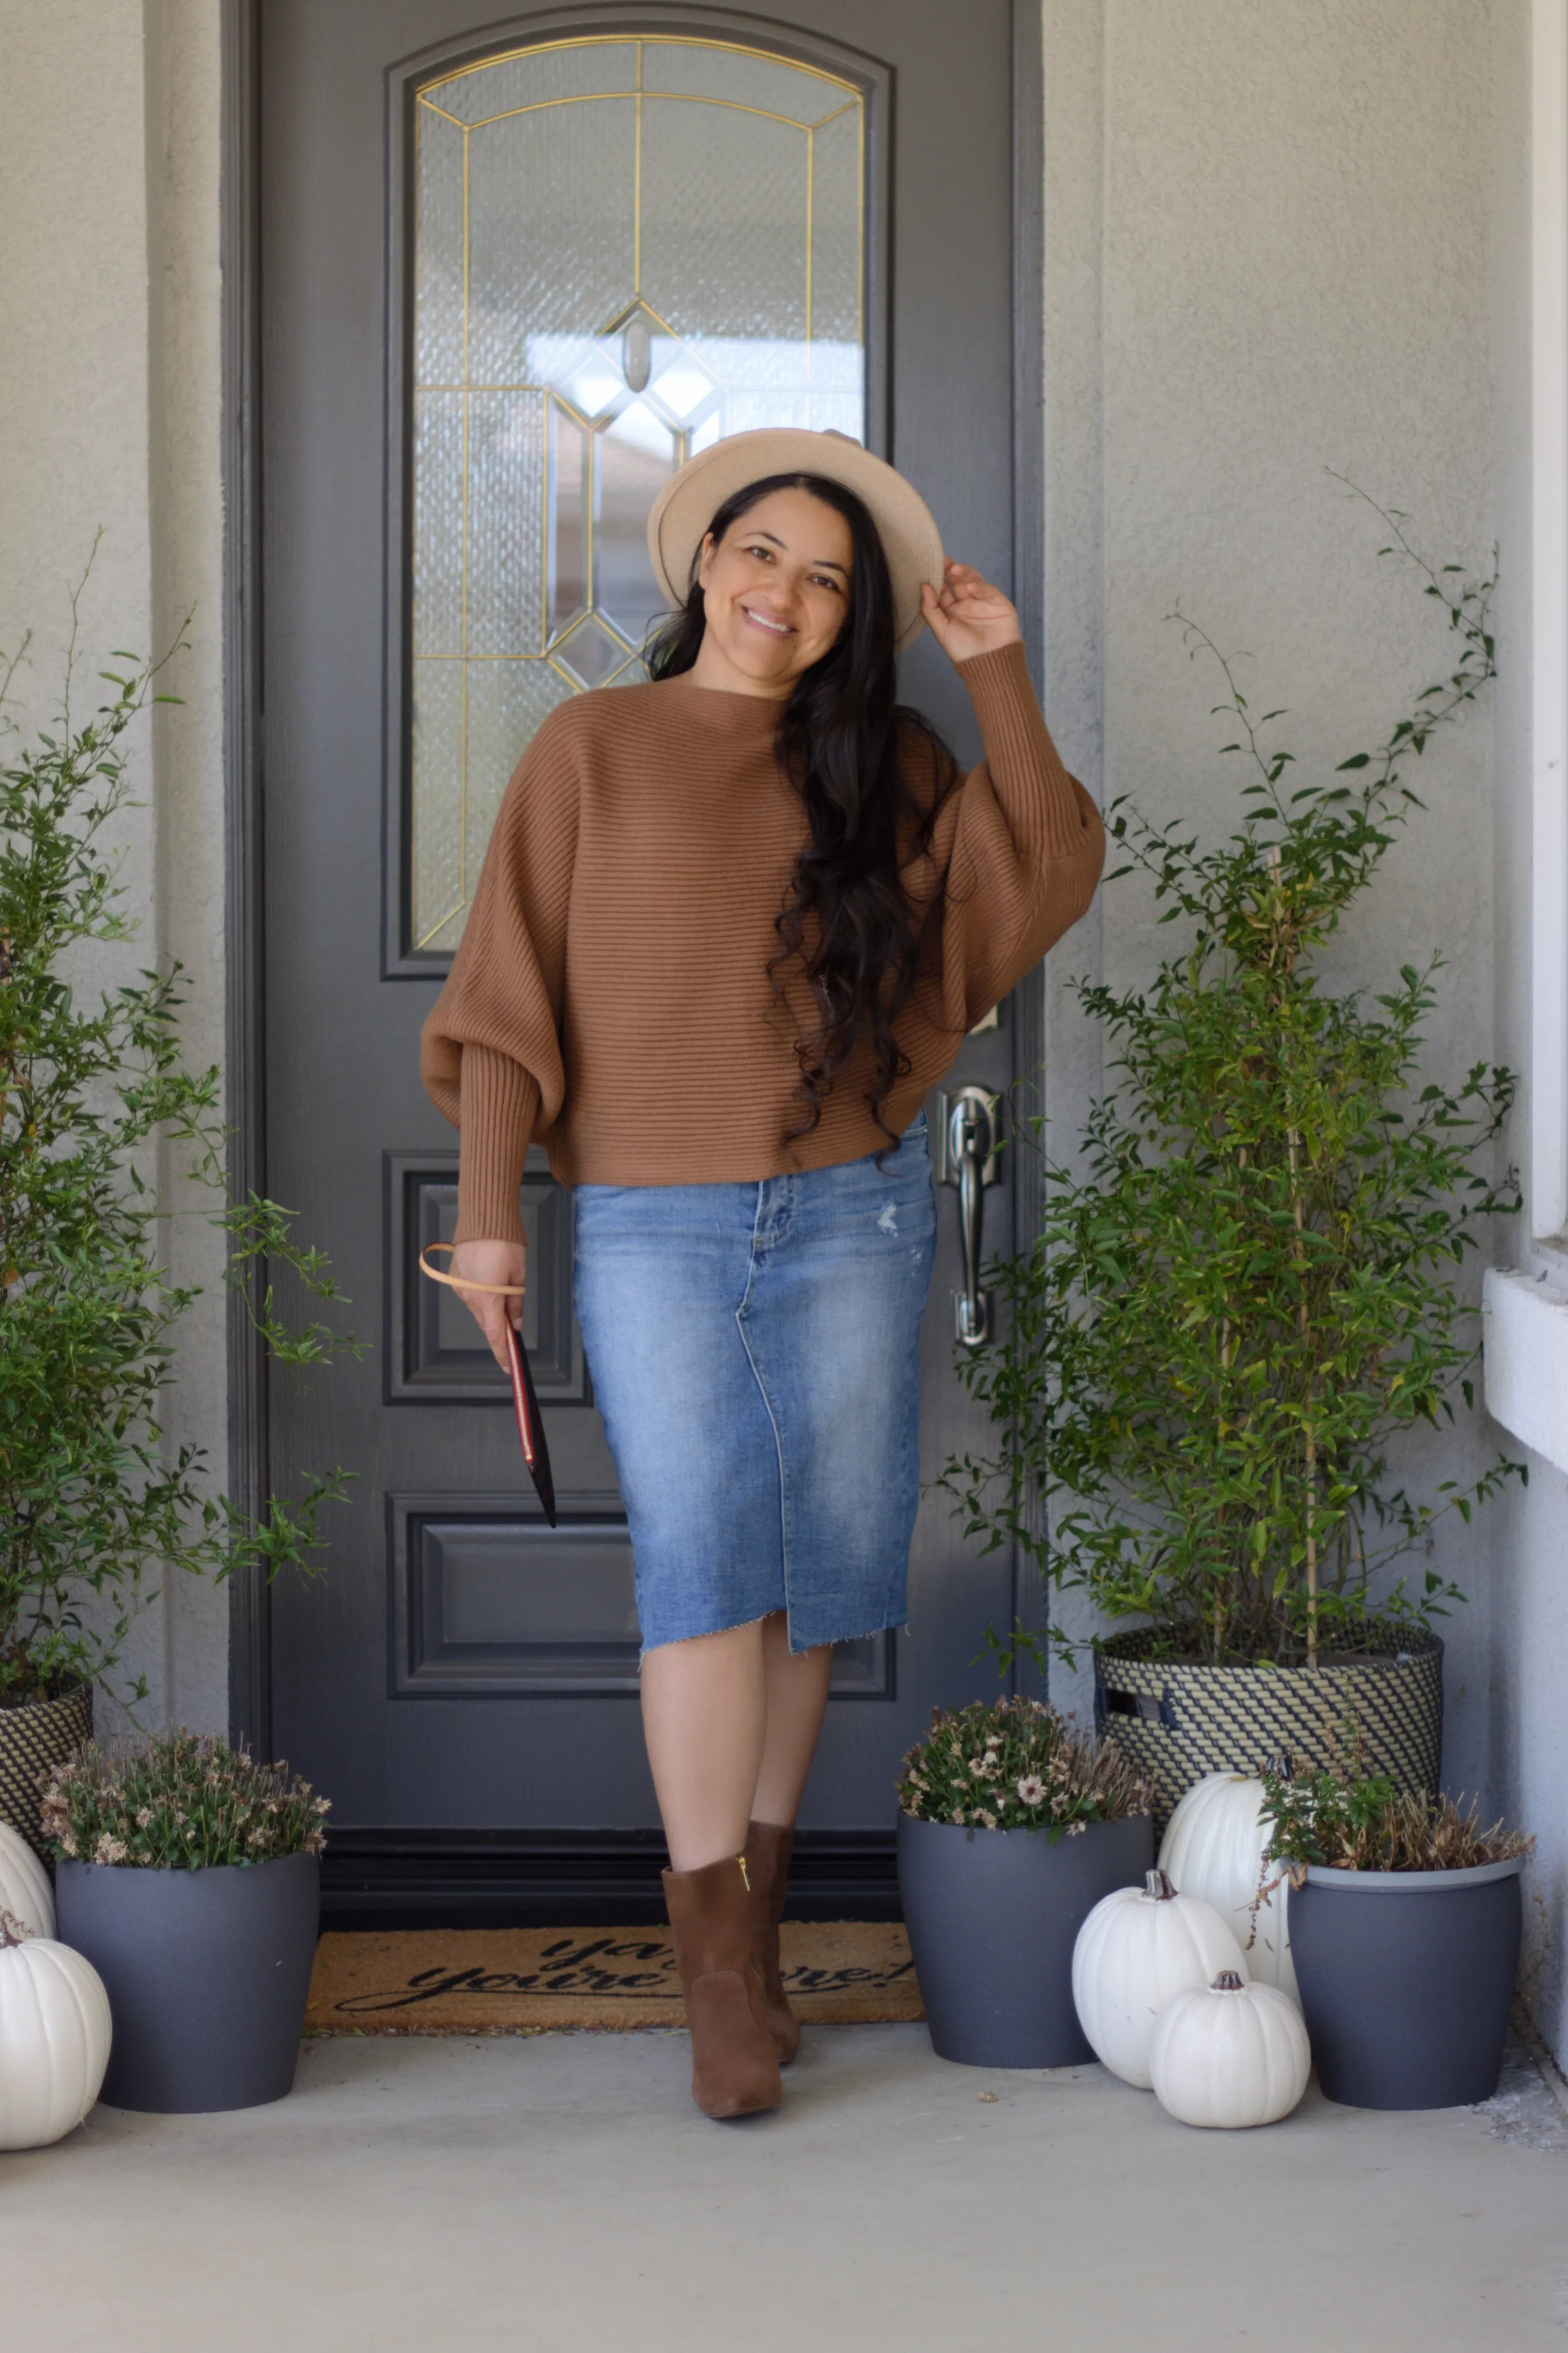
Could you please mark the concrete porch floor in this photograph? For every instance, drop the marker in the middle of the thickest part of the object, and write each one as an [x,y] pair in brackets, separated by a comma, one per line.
[560,2191]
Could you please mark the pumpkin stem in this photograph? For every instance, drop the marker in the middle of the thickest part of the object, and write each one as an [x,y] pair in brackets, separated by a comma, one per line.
[1159,1887]
[12,1931]
[1227,1981]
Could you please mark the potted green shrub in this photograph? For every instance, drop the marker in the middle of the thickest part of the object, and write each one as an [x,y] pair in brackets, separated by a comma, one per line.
[189,1877]
[1246,1287]
[93,1093]
[1405,1928]
[1012,1824]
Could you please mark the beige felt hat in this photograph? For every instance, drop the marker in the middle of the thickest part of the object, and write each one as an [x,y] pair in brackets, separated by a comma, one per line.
[692,497]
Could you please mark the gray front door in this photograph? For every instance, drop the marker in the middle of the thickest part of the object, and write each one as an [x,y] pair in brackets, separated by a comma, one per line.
[509,276]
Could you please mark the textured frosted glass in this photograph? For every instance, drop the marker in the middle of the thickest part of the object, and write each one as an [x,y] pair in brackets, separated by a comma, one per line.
[550,229]
[751,278]
[507,700]
[438,800]
[637,455]
[505,522]
[534,76]
[593,652]
[438,522]
[438,252]
[570,498]
[695,71]
[734,247]
[835,231]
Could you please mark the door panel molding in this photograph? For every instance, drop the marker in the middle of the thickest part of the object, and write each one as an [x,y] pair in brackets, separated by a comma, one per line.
[435,1354]
[476,1586]
[475,1603]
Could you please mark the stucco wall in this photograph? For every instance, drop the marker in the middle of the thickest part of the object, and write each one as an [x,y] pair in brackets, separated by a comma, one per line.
[109,392]
[1528,1747]
[1268,255]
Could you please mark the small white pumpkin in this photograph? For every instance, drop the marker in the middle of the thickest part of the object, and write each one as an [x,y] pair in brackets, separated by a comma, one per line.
[24,1890]
[54,2038]
[1138,1948]
[1213,1847]
[1230,2055]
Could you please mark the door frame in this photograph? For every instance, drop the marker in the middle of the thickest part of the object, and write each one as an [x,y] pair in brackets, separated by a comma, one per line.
[570,1878]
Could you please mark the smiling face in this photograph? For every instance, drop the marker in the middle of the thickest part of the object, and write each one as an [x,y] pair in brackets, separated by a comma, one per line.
[776,593]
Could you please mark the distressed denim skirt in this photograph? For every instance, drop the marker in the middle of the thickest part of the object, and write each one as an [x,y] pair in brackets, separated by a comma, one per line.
[756,1356]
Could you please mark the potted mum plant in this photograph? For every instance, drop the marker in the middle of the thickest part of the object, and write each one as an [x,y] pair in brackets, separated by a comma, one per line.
[1405,1928]
[189,1877]
[1245,1289]
[92,1083]
[1012,1824]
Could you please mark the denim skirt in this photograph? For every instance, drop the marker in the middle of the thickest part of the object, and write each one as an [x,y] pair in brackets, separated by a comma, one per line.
[756,1356]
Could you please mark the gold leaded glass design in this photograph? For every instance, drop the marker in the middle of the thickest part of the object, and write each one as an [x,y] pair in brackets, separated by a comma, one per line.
[623,250]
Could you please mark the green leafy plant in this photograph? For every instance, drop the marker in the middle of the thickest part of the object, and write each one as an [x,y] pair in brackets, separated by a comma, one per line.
[178,1801]
[1016,1764]
[91,1501]
[1347,1818]
[1247,1287]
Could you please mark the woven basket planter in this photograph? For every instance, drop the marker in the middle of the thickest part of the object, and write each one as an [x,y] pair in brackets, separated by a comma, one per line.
[1175,1720]
[34,1739]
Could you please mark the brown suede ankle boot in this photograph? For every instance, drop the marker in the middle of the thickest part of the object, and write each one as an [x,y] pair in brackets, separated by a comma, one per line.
[768,1849]
[734,2066]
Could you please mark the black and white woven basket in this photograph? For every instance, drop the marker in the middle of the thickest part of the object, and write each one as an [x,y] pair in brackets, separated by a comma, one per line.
[34,1739]
[1175,1721]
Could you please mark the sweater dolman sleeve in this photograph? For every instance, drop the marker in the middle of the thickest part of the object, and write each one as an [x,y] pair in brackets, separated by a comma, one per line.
[1020,839]
[489,1049]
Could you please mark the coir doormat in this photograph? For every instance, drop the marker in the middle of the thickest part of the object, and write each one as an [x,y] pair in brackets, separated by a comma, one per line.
[489,1980]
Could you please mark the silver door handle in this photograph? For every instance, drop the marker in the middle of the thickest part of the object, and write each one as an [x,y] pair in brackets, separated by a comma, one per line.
[970,1160]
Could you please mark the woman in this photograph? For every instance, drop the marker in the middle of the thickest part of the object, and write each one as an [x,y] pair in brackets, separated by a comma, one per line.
[732,925]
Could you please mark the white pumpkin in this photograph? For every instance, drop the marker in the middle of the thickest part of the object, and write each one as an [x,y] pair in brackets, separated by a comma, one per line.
[54,2038]
[1138,1948]
[1230,2055]
[24,1890]
[1214,1848]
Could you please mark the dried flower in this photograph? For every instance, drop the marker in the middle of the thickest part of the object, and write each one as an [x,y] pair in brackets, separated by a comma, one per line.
[1033,1765]
[178,1801]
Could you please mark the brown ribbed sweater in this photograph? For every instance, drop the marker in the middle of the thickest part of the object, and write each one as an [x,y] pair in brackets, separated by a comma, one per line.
[610,994]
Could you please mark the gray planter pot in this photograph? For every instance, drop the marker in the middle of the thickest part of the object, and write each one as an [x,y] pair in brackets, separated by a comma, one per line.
[34,1739]
[1405,1979]
[993,1916]
[207,1974]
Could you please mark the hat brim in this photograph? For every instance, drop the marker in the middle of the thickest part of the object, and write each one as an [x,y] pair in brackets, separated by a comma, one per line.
[692,496]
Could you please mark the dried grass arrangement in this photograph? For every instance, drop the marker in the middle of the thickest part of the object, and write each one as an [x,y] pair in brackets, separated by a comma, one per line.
[1345,1818]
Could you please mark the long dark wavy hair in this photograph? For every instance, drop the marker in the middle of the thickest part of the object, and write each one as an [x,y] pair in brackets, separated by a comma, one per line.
[843,740]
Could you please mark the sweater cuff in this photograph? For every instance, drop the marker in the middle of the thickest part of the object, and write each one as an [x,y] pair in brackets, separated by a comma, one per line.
[1018,744]
[499,1102]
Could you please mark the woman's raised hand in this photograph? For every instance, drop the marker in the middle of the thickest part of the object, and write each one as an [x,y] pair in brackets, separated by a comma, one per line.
[969,617]
[490,1263]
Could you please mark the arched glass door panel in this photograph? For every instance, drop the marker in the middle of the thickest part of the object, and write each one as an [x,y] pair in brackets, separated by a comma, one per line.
[622,249]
